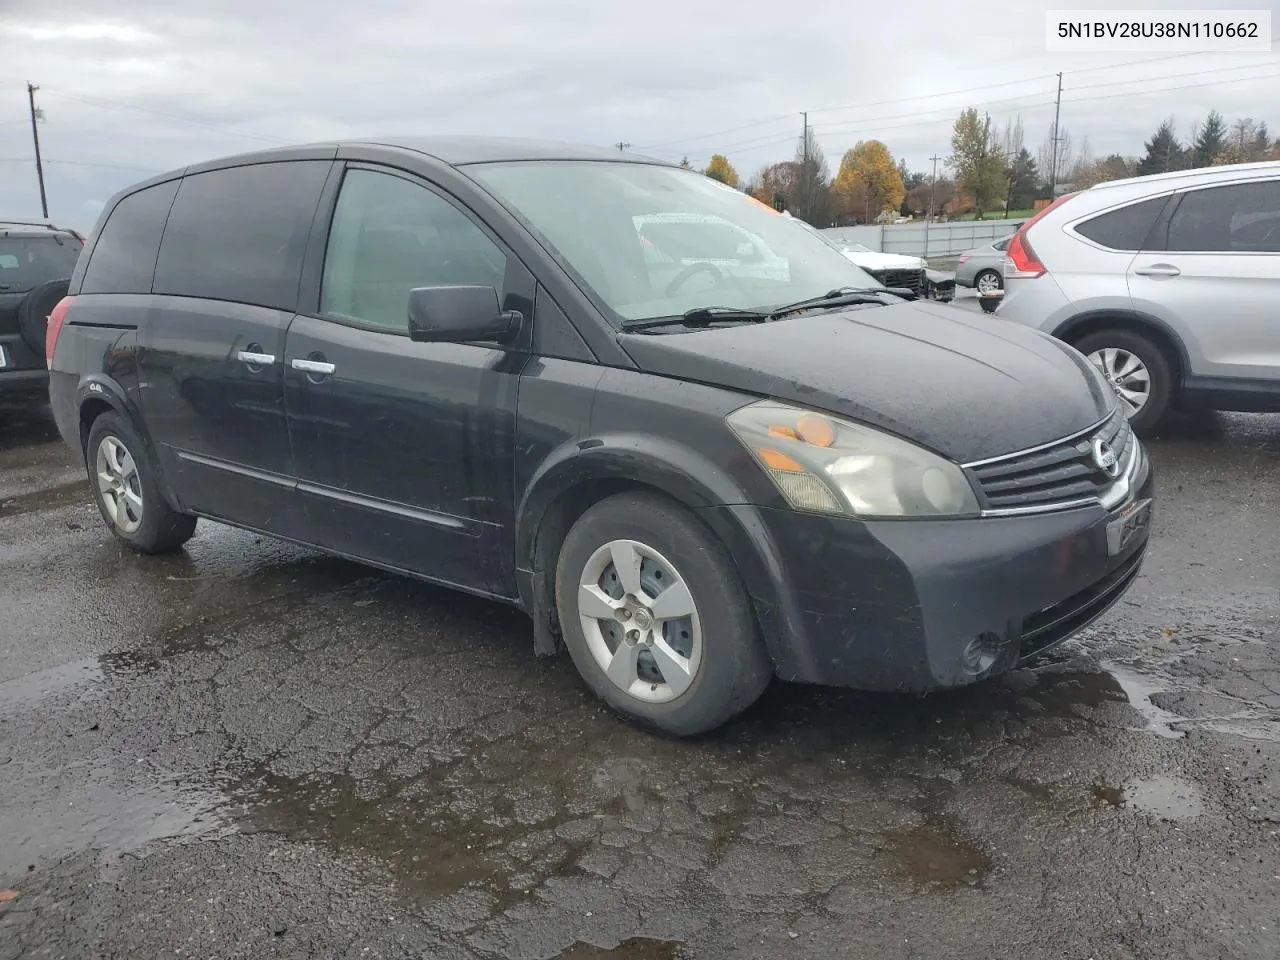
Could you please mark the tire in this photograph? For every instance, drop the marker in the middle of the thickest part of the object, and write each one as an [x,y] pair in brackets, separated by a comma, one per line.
[993,274]
[1160,394]
[149,524]
[726,662]
[34,310]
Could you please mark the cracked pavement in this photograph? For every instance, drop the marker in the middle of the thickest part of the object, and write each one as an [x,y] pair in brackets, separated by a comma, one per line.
[252,750]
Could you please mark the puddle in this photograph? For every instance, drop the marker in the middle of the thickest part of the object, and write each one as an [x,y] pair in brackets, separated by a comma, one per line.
[1161,796]
[933,853]
[1139,690]
[23,691]
[637,948]
[46,499]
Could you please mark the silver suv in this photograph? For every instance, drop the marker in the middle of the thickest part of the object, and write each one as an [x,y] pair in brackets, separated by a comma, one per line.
[1170,284]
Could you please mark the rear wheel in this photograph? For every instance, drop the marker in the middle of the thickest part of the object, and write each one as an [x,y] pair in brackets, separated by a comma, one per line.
[126,490]
[988,281]
[1137,370]
[655,617]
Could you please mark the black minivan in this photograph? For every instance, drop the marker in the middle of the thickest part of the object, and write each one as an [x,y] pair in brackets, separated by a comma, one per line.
[694,442]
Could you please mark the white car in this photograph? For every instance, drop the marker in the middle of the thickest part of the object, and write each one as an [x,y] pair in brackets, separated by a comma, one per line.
[891,269]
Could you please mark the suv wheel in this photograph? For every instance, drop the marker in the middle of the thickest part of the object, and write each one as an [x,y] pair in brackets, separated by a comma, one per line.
[1137,370]
[655,617]
[125,488]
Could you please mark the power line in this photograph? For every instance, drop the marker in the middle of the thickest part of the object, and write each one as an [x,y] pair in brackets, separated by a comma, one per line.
[977,89]
[118,105]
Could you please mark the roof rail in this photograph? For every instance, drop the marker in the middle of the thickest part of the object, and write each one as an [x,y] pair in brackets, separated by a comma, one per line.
[42,224]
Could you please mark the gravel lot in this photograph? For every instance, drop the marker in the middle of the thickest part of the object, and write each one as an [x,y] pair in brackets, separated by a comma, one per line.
[249,750]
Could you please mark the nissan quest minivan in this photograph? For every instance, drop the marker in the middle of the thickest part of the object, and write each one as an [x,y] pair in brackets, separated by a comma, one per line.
[532,372]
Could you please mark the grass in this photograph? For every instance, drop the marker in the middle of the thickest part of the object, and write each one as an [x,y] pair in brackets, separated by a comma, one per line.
[997,215]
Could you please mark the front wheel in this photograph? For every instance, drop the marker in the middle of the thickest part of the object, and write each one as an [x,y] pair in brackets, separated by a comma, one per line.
[1137,370]
[655,617]
[127,492]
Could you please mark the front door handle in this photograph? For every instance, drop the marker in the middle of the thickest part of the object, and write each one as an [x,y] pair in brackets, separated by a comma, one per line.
[1159,270]
[322,367]
[256,359]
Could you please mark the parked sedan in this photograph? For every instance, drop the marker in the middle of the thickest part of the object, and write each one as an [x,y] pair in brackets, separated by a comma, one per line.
[454,359]
[983,267]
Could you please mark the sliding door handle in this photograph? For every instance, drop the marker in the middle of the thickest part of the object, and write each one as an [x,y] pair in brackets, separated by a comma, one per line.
[322,367]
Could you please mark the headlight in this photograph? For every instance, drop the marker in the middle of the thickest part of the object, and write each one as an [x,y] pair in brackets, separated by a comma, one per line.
[826,464]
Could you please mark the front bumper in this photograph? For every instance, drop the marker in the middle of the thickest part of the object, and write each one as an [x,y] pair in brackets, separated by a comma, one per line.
[893,605]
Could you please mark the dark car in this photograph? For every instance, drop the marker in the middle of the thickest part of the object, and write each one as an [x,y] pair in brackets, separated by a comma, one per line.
[36,260]
[458,359]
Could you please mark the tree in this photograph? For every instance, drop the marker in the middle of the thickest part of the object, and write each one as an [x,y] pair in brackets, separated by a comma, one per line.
[868,165]
[1209,140]
[685,164]
[812,189]
[721,169]
[1046,156]
[942,192]
[1164,151]
[1024,180]
[775,185]
[1011,137]
[1113,167]
[1262,141]
[978,161]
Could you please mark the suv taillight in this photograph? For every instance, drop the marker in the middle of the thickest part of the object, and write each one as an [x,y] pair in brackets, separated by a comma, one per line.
[1020,254]
[56,319]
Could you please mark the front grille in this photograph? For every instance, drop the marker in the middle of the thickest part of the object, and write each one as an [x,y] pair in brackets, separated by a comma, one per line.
[1061,473]
[911,279]
[1042,630]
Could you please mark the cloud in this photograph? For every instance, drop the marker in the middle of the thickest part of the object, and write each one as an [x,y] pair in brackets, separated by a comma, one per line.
[155,85]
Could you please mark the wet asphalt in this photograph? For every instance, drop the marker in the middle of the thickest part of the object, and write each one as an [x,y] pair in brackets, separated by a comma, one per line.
[252,750]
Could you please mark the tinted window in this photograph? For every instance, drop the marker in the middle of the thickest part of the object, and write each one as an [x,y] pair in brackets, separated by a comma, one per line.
[27,262]
[124,256]
[1241,218]
[390,235]
[1126,228]
[240,234]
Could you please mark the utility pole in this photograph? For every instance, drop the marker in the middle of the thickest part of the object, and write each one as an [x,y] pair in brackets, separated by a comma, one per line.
[35,138]
[621,146]
[1053,174]
[933,186]
[805,190]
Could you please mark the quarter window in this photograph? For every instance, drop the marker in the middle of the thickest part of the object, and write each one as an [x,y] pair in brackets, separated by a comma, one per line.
[390,235]
[124,255]
[240,233]
[1126,228]
[1240,218]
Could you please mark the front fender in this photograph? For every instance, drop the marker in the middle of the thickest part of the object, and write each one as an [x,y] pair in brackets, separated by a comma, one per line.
[580,470]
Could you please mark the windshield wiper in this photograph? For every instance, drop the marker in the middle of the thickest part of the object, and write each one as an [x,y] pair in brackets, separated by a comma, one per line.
[702,317]
[843,297]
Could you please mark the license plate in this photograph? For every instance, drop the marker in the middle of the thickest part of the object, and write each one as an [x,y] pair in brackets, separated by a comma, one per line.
[1133,520]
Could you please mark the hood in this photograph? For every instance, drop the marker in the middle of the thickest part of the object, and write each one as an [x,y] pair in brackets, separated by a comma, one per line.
[870,260]
[968,388]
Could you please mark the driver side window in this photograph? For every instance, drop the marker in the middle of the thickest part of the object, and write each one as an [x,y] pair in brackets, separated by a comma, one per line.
[390,235]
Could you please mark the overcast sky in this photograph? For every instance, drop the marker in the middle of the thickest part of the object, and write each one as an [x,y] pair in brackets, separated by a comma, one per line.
[138,87]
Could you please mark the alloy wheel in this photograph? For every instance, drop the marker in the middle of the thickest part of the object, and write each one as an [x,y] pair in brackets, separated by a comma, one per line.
[119,485]
[988,283]
[1128,376]
[640,621]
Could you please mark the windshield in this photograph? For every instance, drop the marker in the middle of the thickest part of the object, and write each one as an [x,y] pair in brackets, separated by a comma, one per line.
[27,262]
[654,241]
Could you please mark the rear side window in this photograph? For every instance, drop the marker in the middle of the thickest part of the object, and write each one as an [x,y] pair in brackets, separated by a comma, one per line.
[27,262]
[240,234]
[1240,218]
[1002,245]
[1126,228]
[124,256]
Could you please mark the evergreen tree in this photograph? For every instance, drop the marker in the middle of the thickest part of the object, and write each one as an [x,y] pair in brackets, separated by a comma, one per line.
[1209,141]
[1164,152]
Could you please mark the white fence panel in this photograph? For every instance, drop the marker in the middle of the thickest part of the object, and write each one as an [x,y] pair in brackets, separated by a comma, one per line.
[927,239]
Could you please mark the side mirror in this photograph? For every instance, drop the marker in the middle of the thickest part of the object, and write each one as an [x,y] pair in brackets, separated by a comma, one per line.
[457,314]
